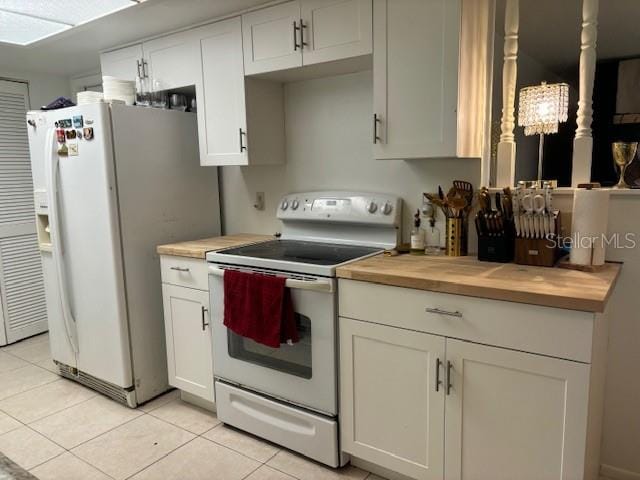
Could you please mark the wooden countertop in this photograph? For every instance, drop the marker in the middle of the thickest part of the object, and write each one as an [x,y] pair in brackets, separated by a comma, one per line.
[551,287]
[199,248]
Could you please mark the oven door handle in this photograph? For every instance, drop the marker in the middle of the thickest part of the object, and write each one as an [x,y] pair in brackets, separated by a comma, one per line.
[317,285]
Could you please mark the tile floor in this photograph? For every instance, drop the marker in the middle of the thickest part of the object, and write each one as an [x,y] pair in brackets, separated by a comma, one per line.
[57,429]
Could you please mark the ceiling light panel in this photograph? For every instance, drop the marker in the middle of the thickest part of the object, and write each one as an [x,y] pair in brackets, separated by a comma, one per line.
[22,30]
[71,12]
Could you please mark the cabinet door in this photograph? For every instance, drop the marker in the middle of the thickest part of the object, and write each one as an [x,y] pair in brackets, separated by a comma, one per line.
[336,29]
[222,121]
[188,333]
[172,61]
[415,77]
[123,63]
[391,411]
[514,415]
[271,41]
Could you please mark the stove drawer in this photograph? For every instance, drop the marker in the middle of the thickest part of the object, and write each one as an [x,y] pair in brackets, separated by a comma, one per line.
[312,435]
[184,272]
[529,328]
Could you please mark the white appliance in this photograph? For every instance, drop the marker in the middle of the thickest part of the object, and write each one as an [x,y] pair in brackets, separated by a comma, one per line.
[111,183]
[289,395]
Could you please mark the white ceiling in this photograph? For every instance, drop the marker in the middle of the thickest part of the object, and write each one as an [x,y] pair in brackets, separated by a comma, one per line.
[75,51]
[550,30]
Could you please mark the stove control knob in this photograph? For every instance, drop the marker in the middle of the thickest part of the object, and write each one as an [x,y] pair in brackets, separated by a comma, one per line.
[372,207]
[284,205]
[387,208]
[295,204]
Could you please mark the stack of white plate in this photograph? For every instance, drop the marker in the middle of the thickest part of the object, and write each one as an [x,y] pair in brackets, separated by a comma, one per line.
[116,89]
[90,97]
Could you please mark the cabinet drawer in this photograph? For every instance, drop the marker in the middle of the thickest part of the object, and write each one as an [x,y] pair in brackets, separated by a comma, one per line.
[185,272]
[529,328]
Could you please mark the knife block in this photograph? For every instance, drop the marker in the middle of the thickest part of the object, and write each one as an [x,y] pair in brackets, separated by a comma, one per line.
[540,252]
[497,248]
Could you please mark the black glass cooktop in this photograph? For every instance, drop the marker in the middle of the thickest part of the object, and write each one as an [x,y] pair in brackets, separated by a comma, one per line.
[303,252]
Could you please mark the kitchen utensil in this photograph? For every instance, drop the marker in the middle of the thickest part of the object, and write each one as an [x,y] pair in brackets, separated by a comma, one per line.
[623,155]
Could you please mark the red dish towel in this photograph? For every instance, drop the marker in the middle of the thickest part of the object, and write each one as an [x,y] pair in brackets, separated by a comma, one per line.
[259,307]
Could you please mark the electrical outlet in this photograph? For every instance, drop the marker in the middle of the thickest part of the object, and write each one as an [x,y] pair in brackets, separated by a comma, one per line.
[259,205]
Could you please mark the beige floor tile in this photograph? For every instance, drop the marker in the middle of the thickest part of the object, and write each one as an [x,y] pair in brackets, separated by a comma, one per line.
[304,469]
[28,448]
[373,476]
[7,423]
[160,400]
[200,460]
[45,400]
[133,446]
[82,422]
[67,467]
[42,338]
[9,362]
[268,473]
[33,352]
[49,365]
[23,379]
[187,416]
[242,442]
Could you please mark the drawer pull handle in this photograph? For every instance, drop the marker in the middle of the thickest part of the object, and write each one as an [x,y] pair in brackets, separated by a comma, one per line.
[443,312]
[438,381]
[204,322]
[180,269]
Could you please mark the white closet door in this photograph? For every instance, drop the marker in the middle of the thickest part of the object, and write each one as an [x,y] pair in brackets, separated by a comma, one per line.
[21,280]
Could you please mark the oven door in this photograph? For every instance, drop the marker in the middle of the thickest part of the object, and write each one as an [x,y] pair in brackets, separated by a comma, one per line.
[304,373]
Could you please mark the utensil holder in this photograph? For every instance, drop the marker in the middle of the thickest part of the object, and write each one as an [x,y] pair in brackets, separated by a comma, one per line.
[456,232]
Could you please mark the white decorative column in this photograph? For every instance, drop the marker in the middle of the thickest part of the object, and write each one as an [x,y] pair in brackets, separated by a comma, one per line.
[506,156]
[583,141]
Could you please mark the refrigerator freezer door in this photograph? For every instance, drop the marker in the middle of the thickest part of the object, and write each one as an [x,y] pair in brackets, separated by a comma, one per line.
[89,246]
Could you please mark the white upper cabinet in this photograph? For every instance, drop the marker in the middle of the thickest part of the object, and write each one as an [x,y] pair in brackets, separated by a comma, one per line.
[125,63]
[430,73]
[272,38]
[172,61]
[220,92]
[306,32]
[534,407]
[335,29]
[392,398]
[240,121]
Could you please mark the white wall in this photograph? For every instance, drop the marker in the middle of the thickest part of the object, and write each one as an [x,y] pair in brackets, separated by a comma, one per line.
[328,128]
[43,88]
[621,435]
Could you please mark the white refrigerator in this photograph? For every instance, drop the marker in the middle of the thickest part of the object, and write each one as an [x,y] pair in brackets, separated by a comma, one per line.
[110,184]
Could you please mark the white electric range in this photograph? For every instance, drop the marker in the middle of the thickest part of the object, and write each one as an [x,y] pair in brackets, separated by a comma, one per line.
[289,395]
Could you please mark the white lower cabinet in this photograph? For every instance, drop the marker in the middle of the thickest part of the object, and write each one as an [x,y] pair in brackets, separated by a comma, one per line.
[514,415]
[390,412]
[418,401]
[188,336]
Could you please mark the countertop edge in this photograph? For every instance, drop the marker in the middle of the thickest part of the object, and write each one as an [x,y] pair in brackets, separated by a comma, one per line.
[490,293]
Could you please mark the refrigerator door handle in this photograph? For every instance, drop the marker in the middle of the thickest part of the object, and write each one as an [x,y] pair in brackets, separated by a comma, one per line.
[52,165]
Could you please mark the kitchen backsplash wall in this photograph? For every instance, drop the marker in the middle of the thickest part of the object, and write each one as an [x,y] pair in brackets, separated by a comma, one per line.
[328,128]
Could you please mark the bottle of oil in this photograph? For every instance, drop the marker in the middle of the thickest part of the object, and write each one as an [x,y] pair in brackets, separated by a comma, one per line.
[417,236]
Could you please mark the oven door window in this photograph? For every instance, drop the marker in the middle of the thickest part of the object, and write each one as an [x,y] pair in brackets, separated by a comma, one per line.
[292,359]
